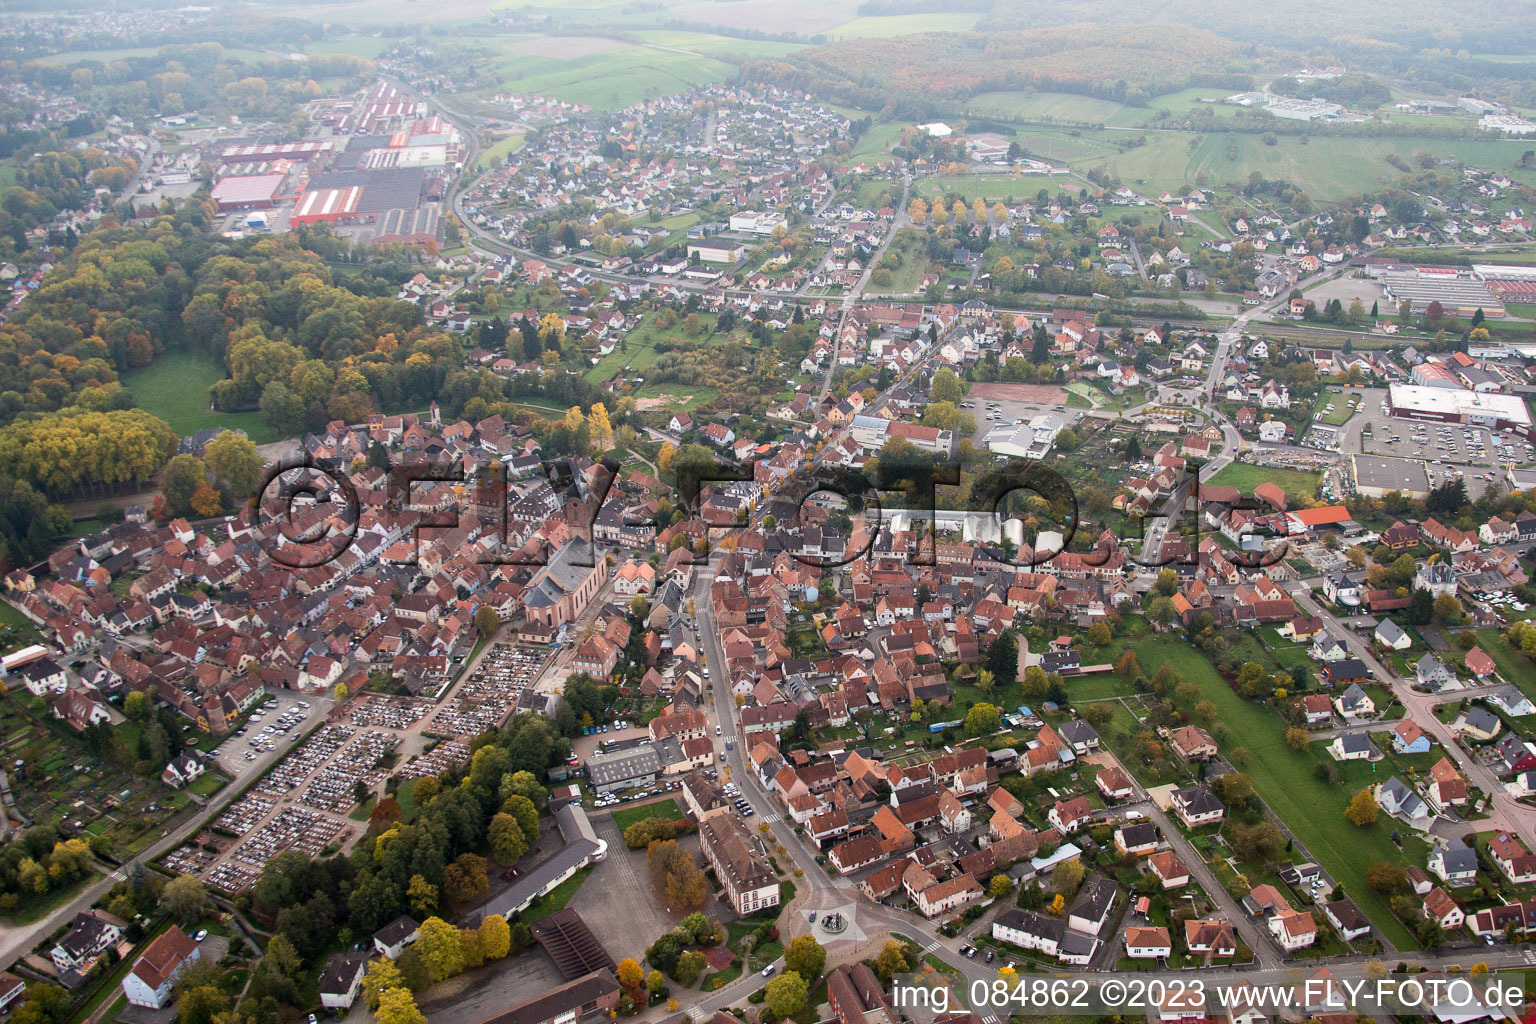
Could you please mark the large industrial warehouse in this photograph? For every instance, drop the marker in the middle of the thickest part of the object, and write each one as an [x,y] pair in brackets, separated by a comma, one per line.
[328,205]
[1501,412]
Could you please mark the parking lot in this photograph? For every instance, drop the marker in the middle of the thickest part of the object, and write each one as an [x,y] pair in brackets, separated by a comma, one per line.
[1479,454]
[992,412]
[268,732]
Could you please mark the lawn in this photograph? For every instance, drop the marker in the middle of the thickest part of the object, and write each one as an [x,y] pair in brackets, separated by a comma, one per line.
[1512,664]
[1246,477]
[627,816]
[556,898]
[1343,408]
[16,630]
[1313,809]
[175,388]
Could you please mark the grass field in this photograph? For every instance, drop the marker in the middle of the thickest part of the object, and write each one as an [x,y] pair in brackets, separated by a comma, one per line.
[1342,408]
[627,816]
[1332,169]
[889,25]
[1312,808]
[501,148]
[987,186]
[359,46]
[638,352]
[1057,106]
[876,143]
[1245,478]
[175,388]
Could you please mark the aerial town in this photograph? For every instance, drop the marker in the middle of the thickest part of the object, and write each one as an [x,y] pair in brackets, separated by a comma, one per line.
[536,514]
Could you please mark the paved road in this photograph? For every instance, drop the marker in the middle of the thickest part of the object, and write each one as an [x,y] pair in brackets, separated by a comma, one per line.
[1506,814]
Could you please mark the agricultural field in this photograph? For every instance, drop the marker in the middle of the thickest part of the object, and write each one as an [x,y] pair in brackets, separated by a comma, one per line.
[904,24]
[175,388]
[1331,169]
[707,43]
[367,47]
[1000,185]
[612,79]
[1055,106]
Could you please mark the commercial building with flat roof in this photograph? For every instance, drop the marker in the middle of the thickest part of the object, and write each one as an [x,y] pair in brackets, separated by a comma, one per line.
[247,192]
[1459,290]
[1479,408]
[1375,476]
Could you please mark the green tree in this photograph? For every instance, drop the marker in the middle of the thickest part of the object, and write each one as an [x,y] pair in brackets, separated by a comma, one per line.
[182,477]
[982,720]
[200,1004]
[785,995]
[946,386]
[138,706]
[184,898]
[232,458]
[487,621]
[689,966]
[1003,658]
[508,843]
